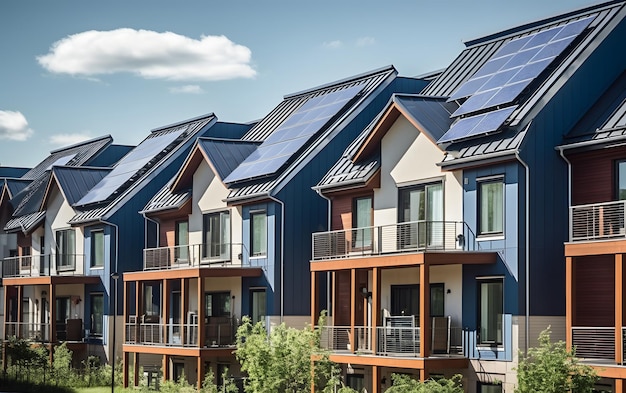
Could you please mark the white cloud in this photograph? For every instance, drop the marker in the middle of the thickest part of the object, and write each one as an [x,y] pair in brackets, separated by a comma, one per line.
[148,54]
[13,126]
[68,139]
[365,41]
[187,89]
[333,44]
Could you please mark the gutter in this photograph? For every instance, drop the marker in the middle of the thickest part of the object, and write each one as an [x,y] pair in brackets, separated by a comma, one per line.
[328,274]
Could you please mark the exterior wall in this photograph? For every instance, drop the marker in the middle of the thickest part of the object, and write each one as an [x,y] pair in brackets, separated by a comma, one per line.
[593,175]
[399,148]
[58,213]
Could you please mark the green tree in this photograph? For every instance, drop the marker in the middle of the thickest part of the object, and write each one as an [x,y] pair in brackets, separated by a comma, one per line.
[551,368]
[405,384]
[281,360]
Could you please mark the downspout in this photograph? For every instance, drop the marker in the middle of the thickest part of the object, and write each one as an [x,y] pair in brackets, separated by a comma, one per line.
[527,249]
[282,256]
[569,177]
[117,246]
[328,274]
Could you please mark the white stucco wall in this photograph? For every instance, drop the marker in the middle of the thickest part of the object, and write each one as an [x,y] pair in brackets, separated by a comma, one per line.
[58,213]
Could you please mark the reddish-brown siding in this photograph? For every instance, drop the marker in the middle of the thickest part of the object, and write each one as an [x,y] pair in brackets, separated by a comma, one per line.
[593,175]
[166,235]
[341,217]
[342,296]
[594,291]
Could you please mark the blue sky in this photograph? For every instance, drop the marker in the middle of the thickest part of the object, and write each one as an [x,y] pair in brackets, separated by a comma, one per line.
[72,70]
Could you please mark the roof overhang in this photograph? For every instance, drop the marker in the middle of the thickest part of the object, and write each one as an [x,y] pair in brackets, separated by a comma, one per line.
[196,272]
[50,280]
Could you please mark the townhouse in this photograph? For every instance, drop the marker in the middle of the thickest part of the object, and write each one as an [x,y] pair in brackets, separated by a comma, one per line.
[515,94]
[596,156]
[231,228]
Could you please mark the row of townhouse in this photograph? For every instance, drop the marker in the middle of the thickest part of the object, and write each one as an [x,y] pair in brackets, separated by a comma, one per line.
[427,215]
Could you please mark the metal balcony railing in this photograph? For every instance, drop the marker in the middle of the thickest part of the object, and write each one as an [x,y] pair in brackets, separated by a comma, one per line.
[28,331]
[398,341]
[597,221]
[395,238]
[180,335]
[173,257]
[40,265]
[594,342]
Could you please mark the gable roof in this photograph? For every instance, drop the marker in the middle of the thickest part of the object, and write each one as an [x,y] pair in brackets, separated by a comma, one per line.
[15,186]
[74,183]
[264,186]
[604,123]
[361,160]
[510,135]
[141,165]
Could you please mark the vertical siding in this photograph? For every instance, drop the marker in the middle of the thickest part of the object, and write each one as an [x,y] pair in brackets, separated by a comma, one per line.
[341,207]
[166,233]
[594,296]
[593,175]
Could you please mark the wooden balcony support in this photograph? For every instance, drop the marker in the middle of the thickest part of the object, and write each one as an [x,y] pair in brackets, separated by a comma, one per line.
[569,304]
[618,307]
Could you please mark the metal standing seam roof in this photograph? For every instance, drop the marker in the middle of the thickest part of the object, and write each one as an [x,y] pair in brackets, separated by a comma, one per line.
[480,51]
[15,186]
[289,105]
[82,152]
[165,199]
[76,182]
[29,199]
[26,222]
[97,212]
[432,114]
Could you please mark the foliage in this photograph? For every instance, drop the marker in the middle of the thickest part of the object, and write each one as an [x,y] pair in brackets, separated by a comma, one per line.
[208,386]
[551,368]
[281,360]
[405,384]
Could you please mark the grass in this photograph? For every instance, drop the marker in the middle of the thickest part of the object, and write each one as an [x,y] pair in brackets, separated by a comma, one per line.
[98,389]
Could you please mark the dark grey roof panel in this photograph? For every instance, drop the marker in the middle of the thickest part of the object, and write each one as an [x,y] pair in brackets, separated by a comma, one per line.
[79,154]
[76,182]
[226,154]
[15,186]
[431,113]
[30,198]
[165,199]
[25,223]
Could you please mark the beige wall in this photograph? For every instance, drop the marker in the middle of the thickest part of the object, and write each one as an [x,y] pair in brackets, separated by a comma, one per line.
[58,213]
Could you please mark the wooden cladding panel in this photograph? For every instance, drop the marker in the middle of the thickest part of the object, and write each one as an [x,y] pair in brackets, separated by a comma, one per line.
[342,296]
[594,295]
[593,175]
[341,216]
[167,235]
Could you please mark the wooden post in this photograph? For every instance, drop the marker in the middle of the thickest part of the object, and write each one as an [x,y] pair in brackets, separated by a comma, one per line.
[126,366]
[375,307]
[201,316]
[166,310]
[424,310]
[352,309]
[619,290]
[200,372]
[376,379]
[184,285]
[53,319]
[314,300]
[166,368]
[136,369]
[569,293]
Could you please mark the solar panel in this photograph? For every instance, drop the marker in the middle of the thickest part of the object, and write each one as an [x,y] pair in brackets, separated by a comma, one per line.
[477,125]
[62,161]
[293,134]
[128,166]
[519,61]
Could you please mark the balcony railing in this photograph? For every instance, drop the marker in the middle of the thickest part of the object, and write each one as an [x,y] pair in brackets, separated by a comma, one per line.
[395,238]
[174,257]
[594,342]
[391,341]
[28,330]
[597,221]
[180,335]
[40,265]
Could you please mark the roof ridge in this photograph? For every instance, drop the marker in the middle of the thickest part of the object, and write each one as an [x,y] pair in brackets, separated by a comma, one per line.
[83,143]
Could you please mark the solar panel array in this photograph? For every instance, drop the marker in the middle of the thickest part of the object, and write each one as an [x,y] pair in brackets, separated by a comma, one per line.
[506,74]
[479,124]
[293,134]
[129,165]
[62,161]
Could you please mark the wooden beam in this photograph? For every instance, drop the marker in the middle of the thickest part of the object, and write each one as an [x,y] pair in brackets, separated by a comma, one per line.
[579,249]
[184,297]
[125,368]
[424,311]
[135,369]
[314,300]
[166,308]
[201,308]
[376,379]
[200,371]
[352,310]
[166,367]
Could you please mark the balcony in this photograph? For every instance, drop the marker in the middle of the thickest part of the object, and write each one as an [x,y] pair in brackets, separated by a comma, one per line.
[40,265]
[216,335]
[70,330]
[596,344]
[196,255]
[406,237]
[597,221]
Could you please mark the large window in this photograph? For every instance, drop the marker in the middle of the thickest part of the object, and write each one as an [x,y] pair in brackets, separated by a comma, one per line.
[422,207]
[216,235]
[181,241]
[258,233]
[258,305]
[490,311]
[484,387]
[96,313]
[66,249]
[621,180]
[362,218]
[217,304]
[97,248]
[491,208]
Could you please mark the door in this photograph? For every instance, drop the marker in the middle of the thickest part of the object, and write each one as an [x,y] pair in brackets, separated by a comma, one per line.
[62,315]
[422,207]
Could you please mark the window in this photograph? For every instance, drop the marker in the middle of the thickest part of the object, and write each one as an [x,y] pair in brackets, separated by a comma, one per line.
[97,248]
[26,259]
[491,208]
[422,207]
[151,299]
[181,241]
[216,236]
[621,180]
[489,387]
[490,310]
[217,304]
[356,381]
[258,233]
[66,249]
[258,305]
[362,218]
[96,313]
[405,300]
